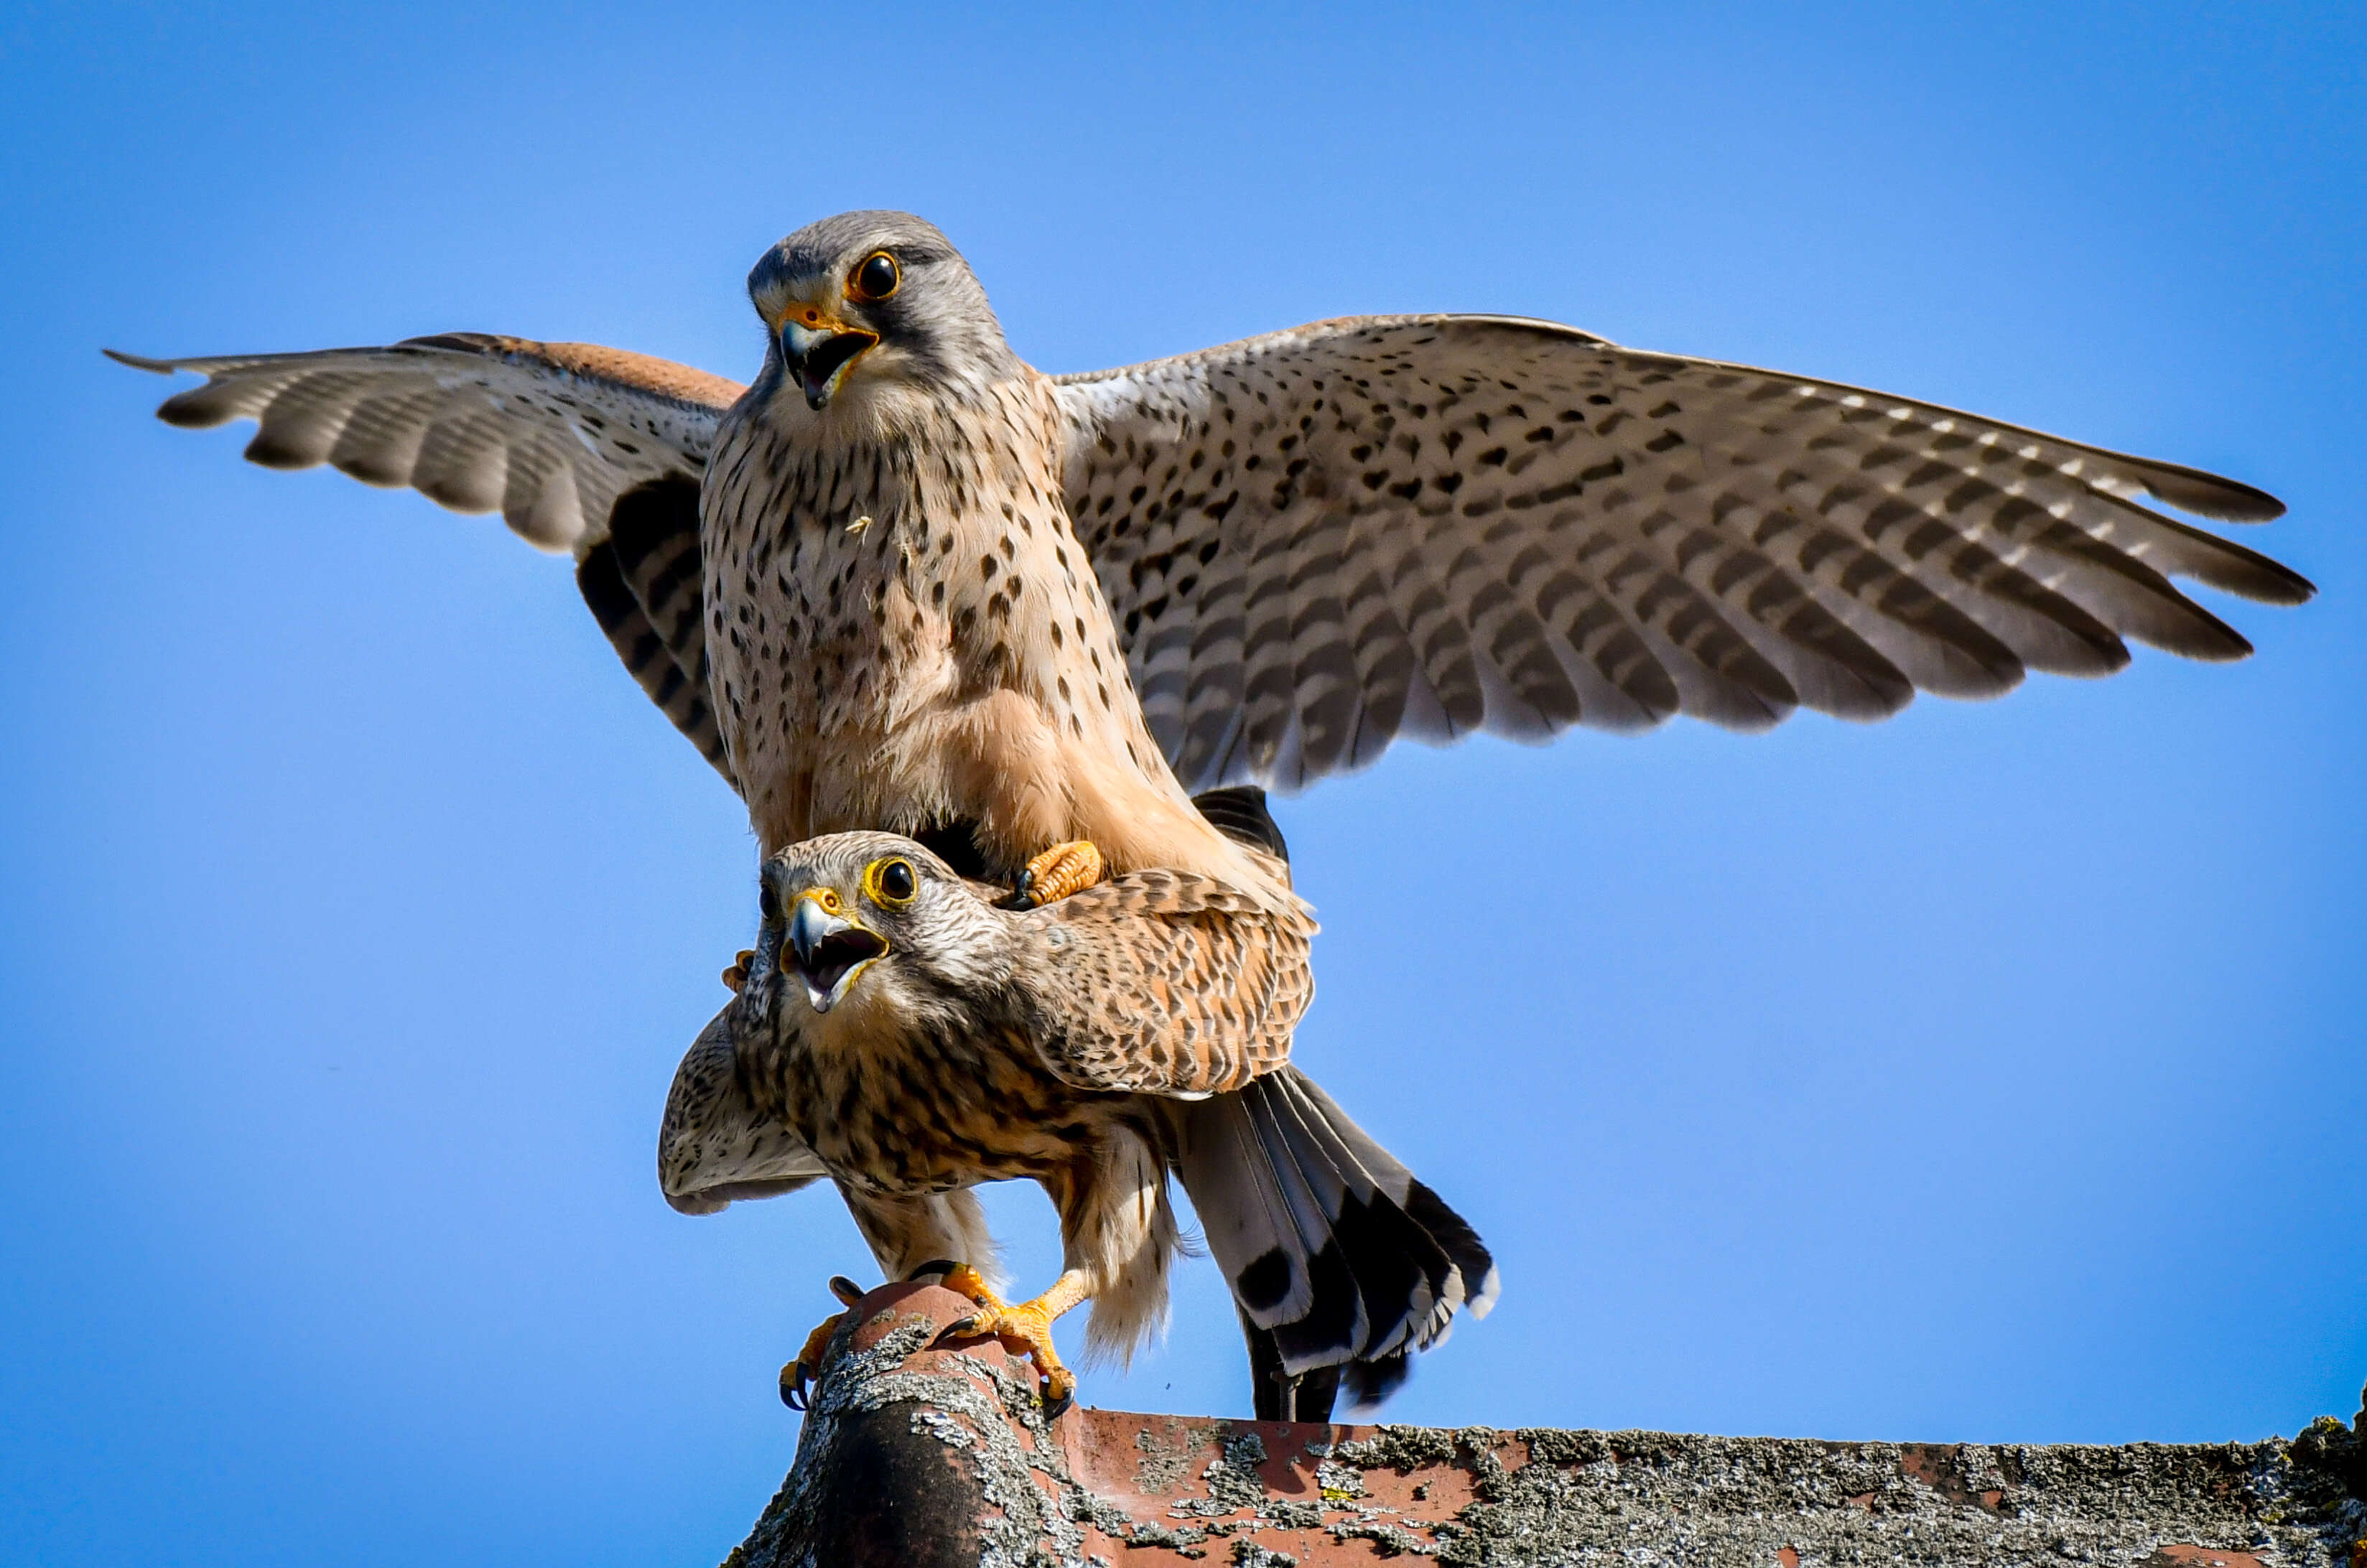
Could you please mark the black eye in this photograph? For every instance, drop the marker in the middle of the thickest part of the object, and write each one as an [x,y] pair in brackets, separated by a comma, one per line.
[875,278]
[896,881]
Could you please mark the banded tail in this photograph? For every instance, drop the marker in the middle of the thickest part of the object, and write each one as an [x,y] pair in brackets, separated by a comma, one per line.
[1341,1264]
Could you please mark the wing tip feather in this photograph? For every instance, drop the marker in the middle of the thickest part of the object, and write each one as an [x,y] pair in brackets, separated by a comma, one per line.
[141,362]
[2246,573]
[183,413]
[2222,644]
[2215,496]
[267,453]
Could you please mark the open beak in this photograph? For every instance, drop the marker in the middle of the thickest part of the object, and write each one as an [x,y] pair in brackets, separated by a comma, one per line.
[818,351]
[829,949]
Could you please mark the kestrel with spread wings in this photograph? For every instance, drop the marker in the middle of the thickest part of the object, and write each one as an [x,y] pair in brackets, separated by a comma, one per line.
[901,1033]
[903,580]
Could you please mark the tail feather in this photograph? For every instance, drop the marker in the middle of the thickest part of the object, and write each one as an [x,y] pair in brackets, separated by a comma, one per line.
[1369,1382]
[1323,1215]
[1242,1209]
[1341,1262]
[1475,1281]
[1472,1259]
[1406,1281]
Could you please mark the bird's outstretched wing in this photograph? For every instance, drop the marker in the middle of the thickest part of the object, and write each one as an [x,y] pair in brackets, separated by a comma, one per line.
[1320,539]
[1163,982]
[589,450]
[717,1145]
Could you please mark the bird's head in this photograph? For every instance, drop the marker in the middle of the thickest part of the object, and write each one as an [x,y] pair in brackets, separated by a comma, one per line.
[858,921]
[865,306]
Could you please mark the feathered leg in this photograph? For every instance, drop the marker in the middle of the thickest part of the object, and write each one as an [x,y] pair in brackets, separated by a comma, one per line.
[1118,1232]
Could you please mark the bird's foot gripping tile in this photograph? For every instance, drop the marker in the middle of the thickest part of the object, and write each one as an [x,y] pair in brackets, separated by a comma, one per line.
[1023,1329]
[807,1368]
[1059,871]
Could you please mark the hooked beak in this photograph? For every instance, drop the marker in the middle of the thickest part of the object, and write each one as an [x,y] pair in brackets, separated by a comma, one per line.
[818,352]
[829,949]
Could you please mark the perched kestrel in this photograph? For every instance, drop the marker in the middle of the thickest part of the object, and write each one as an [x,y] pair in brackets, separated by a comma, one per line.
[897,1031]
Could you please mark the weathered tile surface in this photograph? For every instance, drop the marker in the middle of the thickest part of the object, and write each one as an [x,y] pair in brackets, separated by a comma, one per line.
[924,1457]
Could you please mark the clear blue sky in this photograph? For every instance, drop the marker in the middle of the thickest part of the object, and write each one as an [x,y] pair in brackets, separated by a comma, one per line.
[1994,1073]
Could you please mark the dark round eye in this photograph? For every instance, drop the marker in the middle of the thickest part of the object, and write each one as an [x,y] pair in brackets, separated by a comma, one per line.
[875,278]
[895,881]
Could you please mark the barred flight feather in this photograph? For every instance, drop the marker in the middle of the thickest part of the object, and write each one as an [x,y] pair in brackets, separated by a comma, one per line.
[581,448]
[1432,524]
[1319,540]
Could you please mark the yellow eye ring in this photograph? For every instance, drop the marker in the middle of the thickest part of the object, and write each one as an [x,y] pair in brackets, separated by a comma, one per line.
[875,277]
[890,882]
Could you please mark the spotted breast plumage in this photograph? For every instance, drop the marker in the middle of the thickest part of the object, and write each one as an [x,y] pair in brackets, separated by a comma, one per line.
[897,1030]
[902,629]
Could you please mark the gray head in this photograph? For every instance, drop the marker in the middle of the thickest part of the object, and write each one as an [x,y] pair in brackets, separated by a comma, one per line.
[873,927]
[874,308]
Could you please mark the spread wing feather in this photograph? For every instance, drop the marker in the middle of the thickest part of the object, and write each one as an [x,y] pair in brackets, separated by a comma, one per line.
[643,584]
[590,450]
[1321,539]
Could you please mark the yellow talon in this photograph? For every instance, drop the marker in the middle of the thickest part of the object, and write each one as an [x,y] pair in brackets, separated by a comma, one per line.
[1025,1328]
[1059,871]
[807,1368]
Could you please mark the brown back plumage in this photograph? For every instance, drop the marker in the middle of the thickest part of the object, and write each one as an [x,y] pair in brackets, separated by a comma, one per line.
[1166,983]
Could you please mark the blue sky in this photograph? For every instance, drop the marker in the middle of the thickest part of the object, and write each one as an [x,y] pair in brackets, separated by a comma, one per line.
[1994,1073]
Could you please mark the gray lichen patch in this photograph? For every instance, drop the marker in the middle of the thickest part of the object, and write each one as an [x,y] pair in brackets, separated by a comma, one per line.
[1249,1554]
[1232,1479]
[1650,1497]
[1160,1468]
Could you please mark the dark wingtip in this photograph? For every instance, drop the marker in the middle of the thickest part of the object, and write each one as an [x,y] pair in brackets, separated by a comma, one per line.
[2210,495]
[189,411]
[2265,580]
[138,362]
[2209,640]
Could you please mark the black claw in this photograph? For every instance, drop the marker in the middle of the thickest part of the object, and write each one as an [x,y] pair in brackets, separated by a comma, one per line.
[845,1289]
[1023,892]
[940,1266]
[966,1328]
[793,1386]
[1056,1408]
